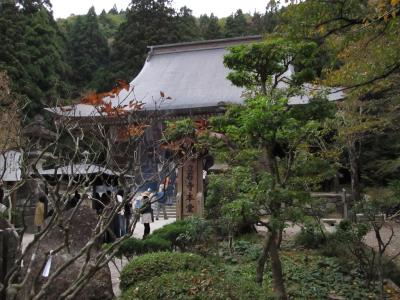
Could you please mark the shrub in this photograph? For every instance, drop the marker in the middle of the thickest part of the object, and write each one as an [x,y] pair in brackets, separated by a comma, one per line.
[171,232]
[145,267]
[185,233]
[133,246]
[204,284]
[310,237]
[156,244]
[250,251]
[198,235]
[130,247]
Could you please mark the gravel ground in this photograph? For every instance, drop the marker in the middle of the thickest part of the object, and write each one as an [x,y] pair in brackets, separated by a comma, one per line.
[394,247]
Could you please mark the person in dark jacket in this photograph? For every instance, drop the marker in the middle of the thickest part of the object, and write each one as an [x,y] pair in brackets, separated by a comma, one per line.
[73,201]
[146,213]
[128,214]
[96,203]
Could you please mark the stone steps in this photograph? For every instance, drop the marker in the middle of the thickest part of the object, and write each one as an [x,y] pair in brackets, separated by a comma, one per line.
[171,211]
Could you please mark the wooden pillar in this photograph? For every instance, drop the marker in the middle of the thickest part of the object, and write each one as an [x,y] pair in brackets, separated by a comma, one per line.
[190,194]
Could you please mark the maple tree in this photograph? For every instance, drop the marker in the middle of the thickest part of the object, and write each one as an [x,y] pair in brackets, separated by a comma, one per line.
[103,101]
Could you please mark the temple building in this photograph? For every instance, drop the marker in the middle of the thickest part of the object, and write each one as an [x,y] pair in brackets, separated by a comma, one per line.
[180,81]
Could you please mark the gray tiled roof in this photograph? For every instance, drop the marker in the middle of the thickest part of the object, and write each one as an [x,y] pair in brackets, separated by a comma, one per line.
[192,74]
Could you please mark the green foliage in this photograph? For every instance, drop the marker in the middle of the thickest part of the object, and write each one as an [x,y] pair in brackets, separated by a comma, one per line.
[133,246]
[228,200]
[179,129]
[209,27]
[243,251]
[316,277]
[236,24]
[192,233]
[207,284]
[148,266]
[363,54]
[254,65]
[186,234]
[187,25]
[32,52]
[199,234]
[141,30]
[171,232]
[88,50]
[310,236]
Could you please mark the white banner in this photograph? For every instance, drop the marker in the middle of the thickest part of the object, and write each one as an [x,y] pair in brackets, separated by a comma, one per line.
[10,160]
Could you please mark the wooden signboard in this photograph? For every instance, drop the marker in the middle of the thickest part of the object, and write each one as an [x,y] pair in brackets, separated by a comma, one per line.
[190,196]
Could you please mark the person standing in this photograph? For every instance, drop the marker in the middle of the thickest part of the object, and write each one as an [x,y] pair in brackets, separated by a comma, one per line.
[146,213]
[121,224]
[96,203]
[161,201]
[128,214]
[73,201]
[40,212]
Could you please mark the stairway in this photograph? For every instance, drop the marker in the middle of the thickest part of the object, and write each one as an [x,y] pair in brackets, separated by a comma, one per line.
[171,211]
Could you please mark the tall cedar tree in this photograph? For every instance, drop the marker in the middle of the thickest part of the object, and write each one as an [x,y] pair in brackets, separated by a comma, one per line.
[187,25]
[89,51]
[209,27]
[149,22]
[236,25]
[32,52]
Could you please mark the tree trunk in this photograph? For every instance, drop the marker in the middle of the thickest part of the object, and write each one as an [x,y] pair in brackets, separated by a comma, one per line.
[354,171]
[271,164]
[263,259]
[276,265]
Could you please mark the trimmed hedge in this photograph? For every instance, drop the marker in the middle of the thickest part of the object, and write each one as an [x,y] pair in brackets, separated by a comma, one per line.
[162,239]
[133,246]
[148,266]
[205,284]
[172,231]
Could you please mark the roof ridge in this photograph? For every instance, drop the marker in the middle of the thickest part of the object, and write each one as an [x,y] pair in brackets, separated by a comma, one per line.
[201,45]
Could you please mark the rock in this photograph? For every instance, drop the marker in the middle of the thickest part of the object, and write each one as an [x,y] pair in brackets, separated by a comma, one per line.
[81,229]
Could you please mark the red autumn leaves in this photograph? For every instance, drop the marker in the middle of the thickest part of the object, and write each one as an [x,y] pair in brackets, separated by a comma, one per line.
[131,131]
[98,100]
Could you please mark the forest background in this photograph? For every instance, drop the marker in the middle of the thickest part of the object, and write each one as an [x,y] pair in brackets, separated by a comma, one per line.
[52,60]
